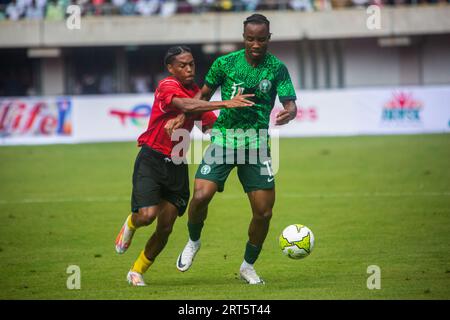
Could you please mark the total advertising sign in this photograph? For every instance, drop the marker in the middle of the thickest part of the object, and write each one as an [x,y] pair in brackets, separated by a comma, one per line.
[73,119]
[111,118]
[405,110]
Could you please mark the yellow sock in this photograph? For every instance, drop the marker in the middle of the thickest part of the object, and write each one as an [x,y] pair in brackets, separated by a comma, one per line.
[141,264]
[130,223]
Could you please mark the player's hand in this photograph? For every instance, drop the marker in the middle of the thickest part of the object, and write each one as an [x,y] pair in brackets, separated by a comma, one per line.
[240,100]
[174,124]
[283,117]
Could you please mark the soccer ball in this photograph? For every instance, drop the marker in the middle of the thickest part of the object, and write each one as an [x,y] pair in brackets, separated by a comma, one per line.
[296,241]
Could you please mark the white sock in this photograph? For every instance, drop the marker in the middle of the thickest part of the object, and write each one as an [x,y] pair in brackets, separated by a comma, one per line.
[245,265]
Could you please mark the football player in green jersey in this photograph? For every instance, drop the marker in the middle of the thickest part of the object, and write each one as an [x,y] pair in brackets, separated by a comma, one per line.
[256,71]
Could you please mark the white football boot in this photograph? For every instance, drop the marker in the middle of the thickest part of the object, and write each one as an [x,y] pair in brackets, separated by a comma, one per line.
[186,257]
[123,240]
[135,279]
[248,273]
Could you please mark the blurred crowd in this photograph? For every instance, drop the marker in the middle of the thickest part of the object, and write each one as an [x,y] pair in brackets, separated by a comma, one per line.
[56,9]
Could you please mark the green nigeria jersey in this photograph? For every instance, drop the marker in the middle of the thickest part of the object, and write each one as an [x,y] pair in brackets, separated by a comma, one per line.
[268,79]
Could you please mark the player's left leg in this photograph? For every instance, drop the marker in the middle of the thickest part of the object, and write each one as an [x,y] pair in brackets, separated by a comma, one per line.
[164,226]
[166,219]
[261,202]
[260,189]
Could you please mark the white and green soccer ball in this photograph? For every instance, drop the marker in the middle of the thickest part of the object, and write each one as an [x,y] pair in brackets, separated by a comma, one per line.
[296,241]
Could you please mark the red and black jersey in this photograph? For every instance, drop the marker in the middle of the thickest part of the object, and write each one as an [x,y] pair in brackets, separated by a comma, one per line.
[155,136]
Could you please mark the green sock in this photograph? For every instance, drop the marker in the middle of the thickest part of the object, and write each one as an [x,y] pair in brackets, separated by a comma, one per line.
[251,253]
[195,229]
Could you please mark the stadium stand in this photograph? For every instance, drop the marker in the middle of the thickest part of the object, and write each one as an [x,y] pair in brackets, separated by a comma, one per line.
[55,9]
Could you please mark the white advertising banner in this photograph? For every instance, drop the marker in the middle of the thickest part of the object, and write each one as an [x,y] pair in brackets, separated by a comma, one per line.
[36,120]
[405,110]
[370,111]
[111,117]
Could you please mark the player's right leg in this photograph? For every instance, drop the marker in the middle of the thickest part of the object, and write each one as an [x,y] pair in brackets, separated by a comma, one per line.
[204,191]
[143,217]
[144,198]
[210,178]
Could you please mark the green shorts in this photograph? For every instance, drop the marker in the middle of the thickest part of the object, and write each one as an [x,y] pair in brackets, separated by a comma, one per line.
[253,167]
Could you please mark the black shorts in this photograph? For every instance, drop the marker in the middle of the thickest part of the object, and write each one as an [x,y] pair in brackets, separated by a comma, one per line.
[156,177]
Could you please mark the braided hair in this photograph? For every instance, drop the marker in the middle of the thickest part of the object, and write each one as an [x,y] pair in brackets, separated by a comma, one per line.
[173,52]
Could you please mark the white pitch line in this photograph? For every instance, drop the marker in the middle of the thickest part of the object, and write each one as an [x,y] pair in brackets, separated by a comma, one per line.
[237,196]
[65,200]
[350,195]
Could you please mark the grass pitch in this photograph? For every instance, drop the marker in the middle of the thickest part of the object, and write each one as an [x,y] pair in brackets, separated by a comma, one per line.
[381,201]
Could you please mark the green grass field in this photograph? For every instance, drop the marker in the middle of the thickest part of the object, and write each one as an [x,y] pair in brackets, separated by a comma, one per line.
[369,200]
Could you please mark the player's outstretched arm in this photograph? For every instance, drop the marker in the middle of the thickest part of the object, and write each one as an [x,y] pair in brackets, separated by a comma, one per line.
[196,105]
[289,113]
[204,94]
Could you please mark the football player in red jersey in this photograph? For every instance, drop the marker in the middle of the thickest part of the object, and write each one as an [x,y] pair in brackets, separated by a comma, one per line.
[161,187]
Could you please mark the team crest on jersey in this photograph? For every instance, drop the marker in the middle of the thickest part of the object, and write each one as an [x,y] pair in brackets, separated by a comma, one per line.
[205,169]
[265,86]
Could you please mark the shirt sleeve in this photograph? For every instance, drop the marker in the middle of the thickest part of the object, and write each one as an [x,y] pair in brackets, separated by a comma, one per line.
[285,88]
[208,119]
[167,90]
[216,74]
